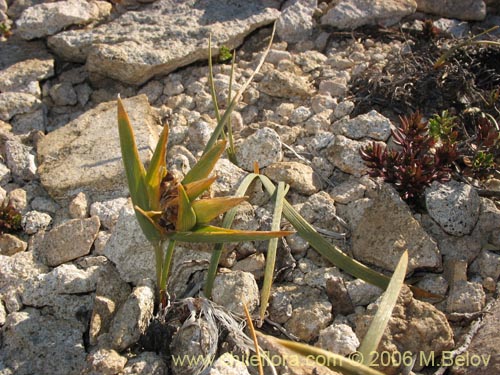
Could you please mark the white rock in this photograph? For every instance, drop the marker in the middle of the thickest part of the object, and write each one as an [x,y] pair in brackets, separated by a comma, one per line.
[47,19]
[338,338]
[35,221]
[69,240]
[23,76]
[18,198]
[300,177]
[264,147]
[15,103]
[59,349]
[133,317]
[343,153]
[362,293]
[300,114]
[132,48]
[348,191]
[295,22]
[351,14]
[79,207]
[227,364]
[382,241]
[129,249]
[232,289]
[470,10]
[75,159]
[108,211]
[334,87]
[372,125]
[455,206]
[465,297]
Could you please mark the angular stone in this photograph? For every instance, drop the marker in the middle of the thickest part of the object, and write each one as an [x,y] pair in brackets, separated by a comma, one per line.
[386,229]
[106,362]
[338,338]
[232,289]
[15,103]
[372,125]
[133,317]
[111,293]
[69,241]
[290,363]
[41,344]
[84,156]
[484,344]
[49,18]
[465,297]
[348,191]
[227,364]
[285,85]
[455,206]
[129,249]
[296,20]
[350,14]
[146,363]
[264,147]
[79,207]
[108,211]
[20,160]
[343,153]
[34,222]
[24,76]
[162,37]
[300,177]
[469,10]
[9,244]
[410,319]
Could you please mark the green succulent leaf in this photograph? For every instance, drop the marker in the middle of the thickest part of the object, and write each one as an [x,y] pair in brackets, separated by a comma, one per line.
[212,234]
[208,209]
[196,188]
[157,170]
[381,319]
[271,250]
[206,164]
[135,173]
[186,217]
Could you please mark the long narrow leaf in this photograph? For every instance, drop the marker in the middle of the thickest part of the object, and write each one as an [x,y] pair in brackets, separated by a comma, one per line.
[206,164]
[226,223]
[208,209]
[271,251]
[379,323]
[211,234]
[157,170]
[135,173]
[186,217]
[326,249]
[220,124]
[134,169]
[331,360]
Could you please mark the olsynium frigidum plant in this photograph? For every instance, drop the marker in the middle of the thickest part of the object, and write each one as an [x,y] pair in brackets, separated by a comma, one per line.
[171,210]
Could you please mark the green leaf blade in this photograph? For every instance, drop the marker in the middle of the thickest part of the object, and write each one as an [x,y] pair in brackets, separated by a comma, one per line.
[381,319]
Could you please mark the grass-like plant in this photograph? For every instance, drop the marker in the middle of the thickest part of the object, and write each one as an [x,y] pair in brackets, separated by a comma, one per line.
[359,363]
[172,210]
[169,210]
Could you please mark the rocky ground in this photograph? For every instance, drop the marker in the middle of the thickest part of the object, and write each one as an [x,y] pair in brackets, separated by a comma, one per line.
[76,283]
